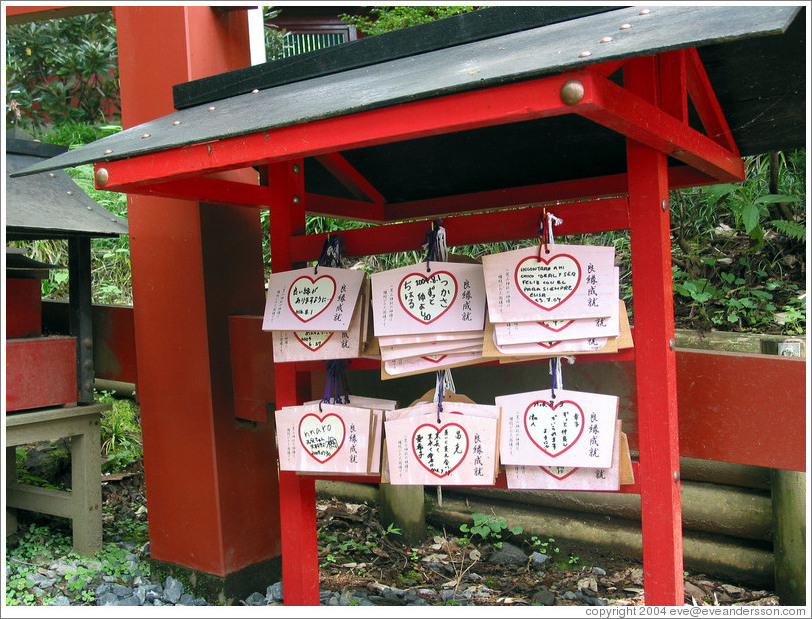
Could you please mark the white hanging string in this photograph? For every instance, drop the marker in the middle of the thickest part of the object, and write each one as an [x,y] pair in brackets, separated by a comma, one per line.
[442,247]
[552,220]
[555,372]
[445,383]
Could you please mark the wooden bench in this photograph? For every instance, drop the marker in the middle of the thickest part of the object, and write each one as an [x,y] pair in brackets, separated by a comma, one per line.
[82,504]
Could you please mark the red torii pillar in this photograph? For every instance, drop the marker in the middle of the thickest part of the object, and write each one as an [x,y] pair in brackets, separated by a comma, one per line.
[211,480]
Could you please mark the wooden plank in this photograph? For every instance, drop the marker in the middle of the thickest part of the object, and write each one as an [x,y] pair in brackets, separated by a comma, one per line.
[54,414]
[743,408]
[42,500]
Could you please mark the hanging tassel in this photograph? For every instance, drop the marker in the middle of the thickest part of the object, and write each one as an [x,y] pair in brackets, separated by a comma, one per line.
[545,231]
[435,245]
[439,392]
[336,389]
[332,253]
[555,372]
[543,234]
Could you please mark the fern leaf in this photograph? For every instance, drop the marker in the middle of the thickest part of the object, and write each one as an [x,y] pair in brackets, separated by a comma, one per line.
[792,229]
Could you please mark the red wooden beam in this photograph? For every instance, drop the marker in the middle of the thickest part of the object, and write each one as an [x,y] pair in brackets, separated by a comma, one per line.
[343,208]
[458,112]
[348,176]
[579,218]
[297,494]
[205,189]
[654,331]
[705,102]
[38,12]
[673,94]
[720,418]
[193,266]
[620,110]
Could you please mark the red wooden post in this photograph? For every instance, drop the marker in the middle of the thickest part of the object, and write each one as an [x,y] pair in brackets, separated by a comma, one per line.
[297,494]
[211,481]
[656,364]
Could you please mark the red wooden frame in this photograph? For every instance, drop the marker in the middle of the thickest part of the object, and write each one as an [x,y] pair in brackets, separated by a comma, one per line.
[603,102]
[650,110]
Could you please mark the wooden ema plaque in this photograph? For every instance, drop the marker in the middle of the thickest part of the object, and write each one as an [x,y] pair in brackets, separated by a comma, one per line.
[457,447]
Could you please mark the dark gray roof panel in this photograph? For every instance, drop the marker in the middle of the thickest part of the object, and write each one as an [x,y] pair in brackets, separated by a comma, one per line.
[503,59]
[50,204]
[481,24]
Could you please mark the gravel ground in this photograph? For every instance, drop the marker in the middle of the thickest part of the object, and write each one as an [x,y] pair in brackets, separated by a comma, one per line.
[360,566]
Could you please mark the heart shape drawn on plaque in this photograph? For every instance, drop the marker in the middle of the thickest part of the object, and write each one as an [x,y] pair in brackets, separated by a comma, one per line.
[434,358]
[559,472]
[554,428]
[308,297]
[321,437]
[556,325]
[313,340]
[427,297]
[548,283]
[440,450]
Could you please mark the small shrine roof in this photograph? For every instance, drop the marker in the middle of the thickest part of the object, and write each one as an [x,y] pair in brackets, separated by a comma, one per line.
[50,204]
[754,55]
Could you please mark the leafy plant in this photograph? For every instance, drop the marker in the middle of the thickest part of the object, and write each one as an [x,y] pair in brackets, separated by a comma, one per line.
[543,546]
[746,298]
[62,69]
[791,229]
[388,18]
[489,527]
[120,434]
[40,545]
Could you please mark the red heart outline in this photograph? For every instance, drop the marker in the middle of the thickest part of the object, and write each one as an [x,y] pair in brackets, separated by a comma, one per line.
[451,303]
[321,419]
[312,281]
[552,408]
[537,259]
[296,335]
[438,360]
[553,475]
[548,327]
[438,430]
